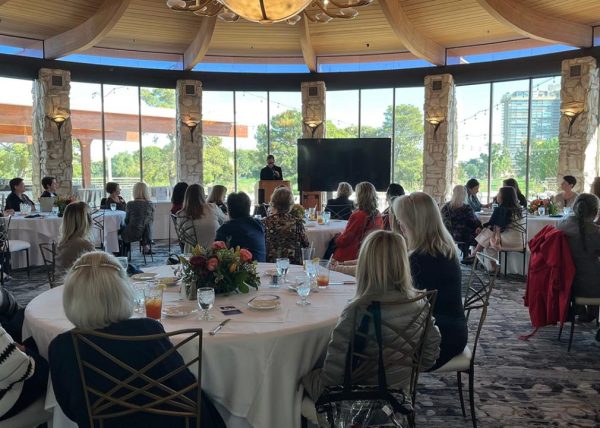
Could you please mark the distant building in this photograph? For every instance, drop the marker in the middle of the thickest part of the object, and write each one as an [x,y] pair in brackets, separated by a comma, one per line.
[545,117]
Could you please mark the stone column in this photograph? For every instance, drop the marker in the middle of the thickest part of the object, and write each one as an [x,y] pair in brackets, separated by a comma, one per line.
[52,148]
[189,144]
[313,109]
[85,145]
[439,139]
[578,146]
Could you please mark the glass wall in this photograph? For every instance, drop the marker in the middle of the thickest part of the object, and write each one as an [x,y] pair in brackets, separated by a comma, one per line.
[408,138]
[342,114]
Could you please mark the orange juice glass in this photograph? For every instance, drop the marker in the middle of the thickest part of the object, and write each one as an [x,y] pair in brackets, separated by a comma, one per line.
[323,274]
[153,301]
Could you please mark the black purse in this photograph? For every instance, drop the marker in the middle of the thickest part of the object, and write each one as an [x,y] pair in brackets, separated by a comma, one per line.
[363,405]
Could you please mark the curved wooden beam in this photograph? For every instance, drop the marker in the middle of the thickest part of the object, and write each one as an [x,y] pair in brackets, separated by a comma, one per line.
[88,33]
[2,2]
[199,46]
[308,52]
[531,23]
[420,45]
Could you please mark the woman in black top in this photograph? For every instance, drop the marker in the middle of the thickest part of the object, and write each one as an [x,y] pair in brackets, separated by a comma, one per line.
[17,196]
[114,197]
[341,207]
[434,266]
[511,182]
[49,184]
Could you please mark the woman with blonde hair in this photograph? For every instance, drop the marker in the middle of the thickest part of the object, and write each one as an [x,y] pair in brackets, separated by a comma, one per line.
[460,220]
[383,275]
[362,222]
[285,235]
[75,236]
[341,207]
[198,220]
[97,295]
[434,265]
[139,218]
[217,197]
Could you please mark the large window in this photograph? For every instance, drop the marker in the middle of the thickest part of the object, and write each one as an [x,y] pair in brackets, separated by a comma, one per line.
[342,114]
[408,138]
[218,146]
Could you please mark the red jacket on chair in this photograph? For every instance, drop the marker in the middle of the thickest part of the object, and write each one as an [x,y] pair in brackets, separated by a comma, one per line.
[550,277]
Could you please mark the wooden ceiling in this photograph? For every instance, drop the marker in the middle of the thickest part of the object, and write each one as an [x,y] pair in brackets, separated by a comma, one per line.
[423,27]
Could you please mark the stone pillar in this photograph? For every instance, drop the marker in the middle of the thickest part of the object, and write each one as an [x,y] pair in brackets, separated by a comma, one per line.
[313,109]
[578,146]
[85,145]
[189,145]
[52,148]
[439,139]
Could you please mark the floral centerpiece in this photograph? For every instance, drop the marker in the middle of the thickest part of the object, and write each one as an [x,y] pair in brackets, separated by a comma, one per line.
[297,211]
[62,201]
[227,270]
[546,203]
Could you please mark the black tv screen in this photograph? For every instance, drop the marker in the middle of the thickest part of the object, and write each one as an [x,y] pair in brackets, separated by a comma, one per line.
[324,162]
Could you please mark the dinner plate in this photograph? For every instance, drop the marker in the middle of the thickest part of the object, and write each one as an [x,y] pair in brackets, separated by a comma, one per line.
[178,311]
[146,276]
[265,302]
[169,281]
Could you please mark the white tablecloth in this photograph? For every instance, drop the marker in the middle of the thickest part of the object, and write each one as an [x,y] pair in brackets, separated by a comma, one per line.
[162,222]
[534,225]
[320,234]
[252,368]
[47,228]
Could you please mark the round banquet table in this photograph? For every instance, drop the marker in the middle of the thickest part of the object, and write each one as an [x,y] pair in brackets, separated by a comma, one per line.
[47,228]
[252,368]
[534,225]
[319,235]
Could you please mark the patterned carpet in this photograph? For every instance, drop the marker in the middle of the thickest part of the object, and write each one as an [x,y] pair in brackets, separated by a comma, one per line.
[533,383]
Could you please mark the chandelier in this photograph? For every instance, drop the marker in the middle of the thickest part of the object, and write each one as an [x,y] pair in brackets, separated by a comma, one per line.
[269,11]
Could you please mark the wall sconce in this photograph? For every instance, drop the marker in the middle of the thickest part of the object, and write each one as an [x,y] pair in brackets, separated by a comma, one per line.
[191,124]
[571,111]
[435,121]
[59,119]
[313,125]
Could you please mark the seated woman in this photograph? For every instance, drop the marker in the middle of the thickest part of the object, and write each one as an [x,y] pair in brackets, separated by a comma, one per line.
[217,197]
[362,221]
[285,235]
[198,220]
[114,197]
[471,189]
[50,185]
[17,196]
[177,196]
[393,191]
[584,242]
[341,207]
[98,296]
[23,372]
[434,265]
[511,182]
[75,236]
[566,198]
[383,275]
[500,232]
[241,229]
[460,220]
[139,218]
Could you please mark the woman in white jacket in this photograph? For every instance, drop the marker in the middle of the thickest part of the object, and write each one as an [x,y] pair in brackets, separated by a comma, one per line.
[383,275]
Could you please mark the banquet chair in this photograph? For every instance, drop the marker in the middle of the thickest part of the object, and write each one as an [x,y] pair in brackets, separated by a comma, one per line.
[179,242]
[10,246]
[98,224]
[520,226]
[32,416]
[48,251]
[186,233]
[578,301]
[339,212]
[136,393]
[407,350]
[477,295]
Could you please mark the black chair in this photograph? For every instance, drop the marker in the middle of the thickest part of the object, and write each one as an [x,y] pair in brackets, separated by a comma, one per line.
[174,223]
[98,224]
[9,246]
[186,232]
[578,301]
[48,251]
[339,212]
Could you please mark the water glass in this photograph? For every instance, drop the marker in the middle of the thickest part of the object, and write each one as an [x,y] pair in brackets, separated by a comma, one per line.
[55,210]
[282,264]
[124,262]
[138,296]
[113,206]
[302,284]
[206,300]
[307,255]
[37,207]
[320,219]
[567,211]
[153,295]
[326,217]
[323,273]
[311,272]
[542,211]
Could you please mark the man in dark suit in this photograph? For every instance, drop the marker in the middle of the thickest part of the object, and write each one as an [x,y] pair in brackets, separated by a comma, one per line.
[271,171]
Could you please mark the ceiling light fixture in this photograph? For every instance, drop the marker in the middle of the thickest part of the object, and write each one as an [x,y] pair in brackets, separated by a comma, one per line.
[270,11]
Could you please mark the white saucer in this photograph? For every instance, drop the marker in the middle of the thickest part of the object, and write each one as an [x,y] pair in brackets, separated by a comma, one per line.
[146,276]
[178,311]
[265,302]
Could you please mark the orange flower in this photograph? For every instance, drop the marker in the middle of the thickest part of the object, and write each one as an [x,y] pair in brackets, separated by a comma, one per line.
[211,264]
[219,245]
[245,255]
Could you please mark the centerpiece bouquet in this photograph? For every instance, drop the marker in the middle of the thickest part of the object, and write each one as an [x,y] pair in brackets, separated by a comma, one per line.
[62,201]
[297,211]
[227,270]
[546,203]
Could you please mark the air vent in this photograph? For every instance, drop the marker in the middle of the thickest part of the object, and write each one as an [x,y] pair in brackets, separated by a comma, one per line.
[575,71]
[436,85]
[190,89]
[56,81]
[313,91]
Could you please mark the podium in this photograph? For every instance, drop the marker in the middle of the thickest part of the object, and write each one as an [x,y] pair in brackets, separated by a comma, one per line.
[267,187]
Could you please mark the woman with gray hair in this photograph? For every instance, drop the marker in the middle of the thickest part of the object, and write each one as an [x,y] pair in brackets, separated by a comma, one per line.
[584,241]
[341,207]
[460,220]
[98,296]
[139,218]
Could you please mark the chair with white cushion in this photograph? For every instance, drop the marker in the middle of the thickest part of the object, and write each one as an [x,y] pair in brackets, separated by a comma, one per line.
[12,245]
[477,296]
[32,416]
[578,301]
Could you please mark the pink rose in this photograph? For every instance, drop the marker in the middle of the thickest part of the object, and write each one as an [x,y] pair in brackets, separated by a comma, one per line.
[219,245]
[211,264]
[245,255]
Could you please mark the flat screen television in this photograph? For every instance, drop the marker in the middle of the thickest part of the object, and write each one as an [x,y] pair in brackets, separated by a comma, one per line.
[324,162]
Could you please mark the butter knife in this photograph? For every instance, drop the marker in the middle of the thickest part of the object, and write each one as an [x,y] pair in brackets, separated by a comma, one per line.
[219,327]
